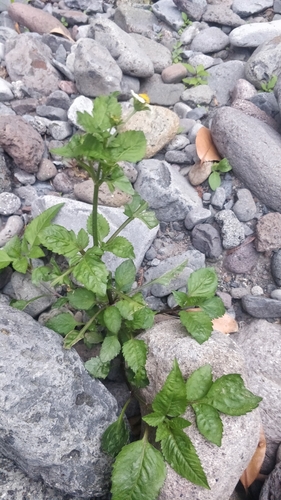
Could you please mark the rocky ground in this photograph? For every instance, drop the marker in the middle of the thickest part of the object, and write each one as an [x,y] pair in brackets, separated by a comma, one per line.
[54,62]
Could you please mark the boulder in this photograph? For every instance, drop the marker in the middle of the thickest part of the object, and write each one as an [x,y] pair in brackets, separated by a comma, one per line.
[264,62]
[36,19]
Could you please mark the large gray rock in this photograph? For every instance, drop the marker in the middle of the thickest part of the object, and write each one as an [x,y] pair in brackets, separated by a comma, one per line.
[166,190]
[264,62]
[251,148]
[260,342]
[223,466]
[163,94]
[52,413]
[126,51]
[254,34]
[223,78]
[261,307]
[95,70]
[221,14]
[193,8]
[209,40]
[74,214]
[135,20]
[250,7]
[29,60]
[157,53]
[168,12]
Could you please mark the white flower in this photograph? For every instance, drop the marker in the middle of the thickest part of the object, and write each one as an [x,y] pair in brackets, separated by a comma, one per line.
[143,98]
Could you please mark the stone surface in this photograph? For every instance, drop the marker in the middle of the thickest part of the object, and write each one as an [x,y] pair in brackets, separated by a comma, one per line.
[209,40]
[276,267]
[159,54]
[166,191]
[261,307]
[13,226]
[218,198]
[200,172]
[223,78]
[264,62]
[168,12]
[52,424]
[198,96]
[254,34]
[81,104]
[74,214]
[245,207]
[221,14]
[134,20]
[231,229]
[223,466]
[268,232]
[206,239]
[251,7]
[174,73]
[84,191]
[260,343]
[163,94]
[5,175]
[250,109]
[271,489]
[193,8]
[47,170]
[242,140]
[242,260]
[9,203]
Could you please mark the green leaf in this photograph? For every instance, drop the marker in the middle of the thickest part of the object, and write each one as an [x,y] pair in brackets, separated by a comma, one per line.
[134,352]
[82,239]
[115,437]
[214,180]
[138,472]
[40,222]
[166,278]
[36,252]
[93,337]
[143,319]
[129,146]
[121,247]
[21,265]
[60,302]
[172,400]
[154,419]
[19,304]
[72,338]
[130,305]
[199,383]
[178,423]
[92,272]
[149,219]
[103,226]
[81,298]
[198,324]
[5,260]
[106,113]
[162,431]
[213,307]
[202,283]
[181,298]
[122,182]
[229,395]
[138,379]
[180,453]
[59,240]
[97,368]
[13,247]
[136,203]
[62,323]
[112,319]
[224,165]
[125,276]
[208,422]
[110,348]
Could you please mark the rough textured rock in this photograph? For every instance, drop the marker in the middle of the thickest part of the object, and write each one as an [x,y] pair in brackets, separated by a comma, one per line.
[84,191]
[276,267]
[35,19]
[264,62]
[223,78]
[206,239]
[223,466]
[251,148]
[134,20]
[222,14]
[231,229]
[193,8]
[29,60]
[268,232]
[242,260]
[261,307]
[21,142]
[250,109]
[159,125]
[168,193]
[271,489]
[163,94]
[251,6]
[158,53]
[260,342]
[167,12]
[53,412]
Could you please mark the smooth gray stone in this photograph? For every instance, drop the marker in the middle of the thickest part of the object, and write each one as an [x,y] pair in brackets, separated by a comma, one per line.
[195,217]
[264,62]
[245,9]
[218,198]
[59,99]
[53,413]
[206,239]
[168,12]
[254,34]
[276,267]
[60,130]
[159,54]
[261,307]
[223,78]
[51,112]
[209,40]
[193,8]
[242,139]
[134,20]
[245,207]
[201,95]
[222,14]
[163,94]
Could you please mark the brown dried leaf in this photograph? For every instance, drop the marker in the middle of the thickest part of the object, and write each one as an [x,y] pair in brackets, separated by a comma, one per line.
[225,324]
[205,147]
[60,31]
[251,473]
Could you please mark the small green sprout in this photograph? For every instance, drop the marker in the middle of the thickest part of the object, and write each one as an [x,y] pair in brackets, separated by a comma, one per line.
[199,75]
[269,86]
[217,169]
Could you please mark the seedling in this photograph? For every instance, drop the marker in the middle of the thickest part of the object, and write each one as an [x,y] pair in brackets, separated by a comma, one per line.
[269,86]
[199,75]
[176,53]
[217,169]
[186,21]
[64,21]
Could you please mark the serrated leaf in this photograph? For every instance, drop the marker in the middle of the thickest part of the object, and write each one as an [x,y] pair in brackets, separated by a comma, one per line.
[62,323]
[97,368]
[110,348]
[224,166]
[213,307]
[149,219]
[115,437]
[171,400]
[19,304]
[81,298]
[154,419]
[178,423]
[199,383]
[112,319]
[21,265]
[72,338]
[135,204]
[208,422]
[41,273]
[162,431]
[5,260]
[121,247]
[13,247]
[138,379]
[202,283]
[82,239]
[122,182]
[59,240]
[180,298]
[103,226]
[106,113]
[138,472]
[180,453]
[125,276]
[60,302]
[143,319]
[130,305]
[92,272]
[198,324]
[214,180]
[93,337]
[36,252]
[129,146]
[229,395]
[40,222]
[134,352]
[166,278]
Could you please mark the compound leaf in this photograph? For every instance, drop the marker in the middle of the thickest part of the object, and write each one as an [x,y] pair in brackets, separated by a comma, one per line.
[110,348]
[115,437]
[208,422]
[154,419]
[199,383]
[97,368]
[40,222]
[125,276]
[198,324]
[172,399]
[112,319]
[202,283]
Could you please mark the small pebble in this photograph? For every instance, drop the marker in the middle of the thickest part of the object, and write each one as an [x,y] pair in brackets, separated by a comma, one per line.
[14,225]
[276,294]
[47,170]
[256,291]
[9,203]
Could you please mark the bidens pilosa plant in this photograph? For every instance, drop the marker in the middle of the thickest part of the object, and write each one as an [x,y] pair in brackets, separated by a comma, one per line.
[113,312]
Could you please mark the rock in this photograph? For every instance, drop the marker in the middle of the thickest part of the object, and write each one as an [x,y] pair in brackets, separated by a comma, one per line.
[163,94]
[264,62]
[223,466]
[251,7]
[255,34]
[74,214]
[13,226]
[51,112]
[206,239]
[231,229]
[198,96]
[218,198]
[5,175]
[159,54]
[223,78]
[276,294]
[24,106]
[168,12]
[242,260]
[95,70]
[209,40]
[28,59]
[21,142]
[260,343]
[81,104]
[60,130]
[84,191]
[35,19]
[190,32]
[159,125]
[241,138]
[272,486]
[5,92]
[221,14]
[245,207]
[195,217]
[261,307]
[23,177]
[276,267]
[58,99]
[250,109]
[134,20]
[193,8]
[199,172]
[174,73]
[47,170]
[179,142]
[62,183]
[165,190]
[9,203]
[268,232]
[243,90]
[57,437]
[125,51]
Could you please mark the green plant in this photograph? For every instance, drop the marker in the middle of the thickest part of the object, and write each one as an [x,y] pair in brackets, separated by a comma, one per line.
[269,86]
[113,312]
[176,52]
[217,169]
[186,21]
[199,75]
[64,21]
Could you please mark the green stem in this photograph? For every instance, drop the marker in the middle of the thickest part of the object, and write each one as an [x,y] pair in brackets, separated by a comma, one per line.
[58,279]
[125,223]
[124,409]
[95,207]
[91,320]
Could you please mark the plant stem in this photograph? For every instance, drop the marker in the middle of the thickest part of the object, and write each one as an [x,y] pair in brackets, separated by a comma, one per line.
[125,223]
[95,208]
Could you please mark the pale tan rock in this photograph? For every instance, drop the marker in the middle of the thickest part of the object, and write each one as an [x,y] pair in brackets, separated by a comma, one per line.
[199,172]
[159,125]
[174,73]
[268,232]
[85,191]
